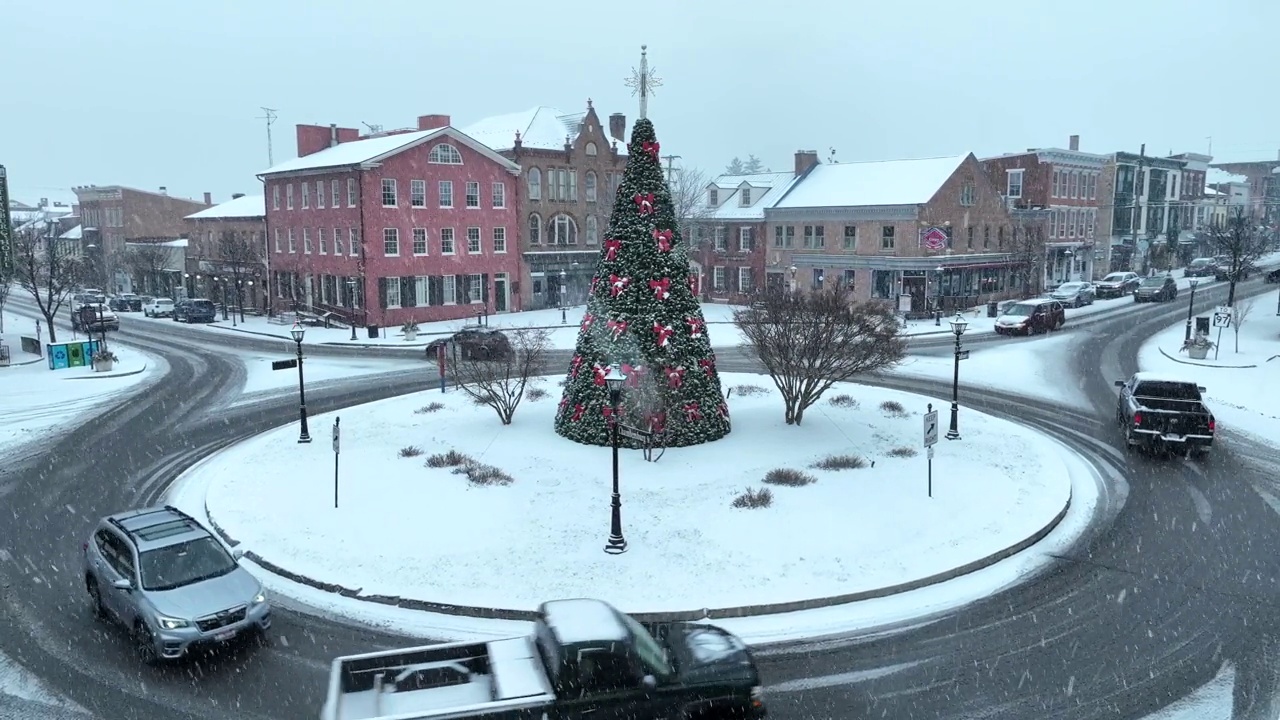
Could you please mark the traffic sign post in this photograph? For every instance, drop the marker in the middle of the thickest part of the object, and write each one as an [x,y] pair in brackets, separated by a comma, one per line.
[335,462]
[1221,319]
[930,439]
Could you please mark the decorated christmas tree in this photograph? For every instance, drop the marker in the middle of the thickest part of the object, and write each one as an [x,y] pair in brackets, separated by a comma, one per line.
[643,315]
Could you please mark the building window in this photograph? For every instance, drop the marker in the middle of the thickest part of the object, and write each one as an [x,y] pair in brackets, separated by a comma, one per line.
[499,240]
[391,242]
[353,241]
[590,149]
[717,278]
[275,197]
[418,193]
[337,241]
[388,192]
[473,240]
[535,229]
[444,154]
[320,194]
[986,236]
[744,279]
[499,195]
[1000,238]
[1057,183]
[293,248]
[446,193]
[393,291]
[819,275]
[351,192]
[721,241]
[1093,186]
[1093,216]
[713,197]
[1013,188]
[473,194]
[277,239]
[306,241]
[969,238]
[849,276]
[589,185]
[288,196]
[850,237]
[886,237]
[593,230]
[306,195]
[745,194]
[815,237]
[966,195]
[320,240]
[744,239]
[334,195]
[563,231]
[419,241]
[1075,184]
[449,290]
[535,184]
[446,241]
[784,236]
[476,282]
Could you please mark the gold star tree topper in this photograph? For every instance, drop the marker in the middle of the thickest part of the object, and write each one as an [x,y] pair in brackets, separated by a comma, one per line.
[643,81]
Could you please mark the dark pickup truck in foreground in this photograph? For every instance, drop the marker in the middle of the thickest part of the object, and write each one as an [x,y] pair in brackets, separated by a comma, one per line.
[1158,411]
[584,659]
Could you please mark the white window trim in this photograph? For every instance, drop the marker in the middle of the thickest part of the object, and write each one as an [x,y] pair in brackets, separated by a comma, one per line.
[438,156]
[744,272]
[479,241]
[384,242]
[351,192]
[320,195]
[440,191]
[353,242]
[479,298]
[453,241]
[1008,183]
[412,185]
[494,239]
[275,197]
[395,192]
[399,292]
[466,195]
[498,191]
[449,281]
[744,237]
[413,242]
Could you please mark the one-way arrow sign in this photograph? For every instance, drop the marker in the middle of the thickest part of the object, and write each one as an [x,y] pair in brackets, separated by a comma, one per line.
[931,428]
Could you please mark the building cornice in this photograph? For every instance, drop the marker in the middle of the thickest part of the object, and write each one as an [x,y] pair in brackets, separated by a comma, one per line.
[852,213]
[1057,156]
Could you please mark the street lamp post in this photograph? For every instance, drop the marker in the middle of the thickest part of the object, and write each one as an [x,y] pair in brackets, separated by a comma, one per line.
[563,308]
[958,326]
[1193,282]
[937,297]
[793,269]
[351,306]
[613,380]
[298,332]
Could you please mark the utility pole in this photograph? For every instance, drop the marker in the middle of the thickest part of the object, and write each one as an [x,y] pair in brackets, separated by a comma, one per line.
[270,116]
[670,170]
[1138,186]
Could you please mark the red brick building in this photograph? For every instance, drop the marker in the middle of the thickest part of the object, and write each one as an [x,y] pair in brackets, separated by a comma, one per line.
[729,231]
[111,215]
[227,252]
[396,226]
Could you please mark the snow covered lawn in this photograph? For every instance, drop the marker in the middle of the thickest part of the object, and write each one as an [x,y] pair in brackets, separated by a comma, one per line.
[1244,399]
[261,378]
[409,530]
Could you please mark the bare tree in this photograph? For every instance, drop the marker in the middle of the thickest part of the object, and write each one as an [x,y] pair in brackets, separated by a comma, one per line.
[240,255]
[1240,315]
[151,264]
[809,341]
[49,270]
[689,199]
[1239,240]
[1027,257]
[499,379]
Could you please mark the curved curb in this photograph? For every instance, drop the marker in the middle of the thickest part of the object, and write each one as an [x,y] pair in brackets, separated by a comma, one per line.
[670,616]
[1204,365]
[104,376]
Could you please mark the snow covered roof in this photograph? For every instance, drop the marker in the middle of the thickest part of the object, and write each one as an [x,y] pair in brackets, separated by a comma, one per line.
[74,233]
[541,128]
[28,214]
[1218,176]
[247,207]
[373,149]
[765,189]
[885,182]
[175,243]
[583,620]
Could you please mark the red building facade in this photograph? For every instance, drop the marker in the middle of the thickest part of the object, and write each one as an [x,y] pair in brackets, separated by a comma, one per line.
[404,225]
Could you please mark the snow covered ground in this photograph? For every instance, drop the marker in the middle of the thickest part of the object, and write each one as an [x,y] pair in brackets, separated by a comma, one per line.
[23,696]
[1212,701]
[1241,387]
[261,378]
[408,530]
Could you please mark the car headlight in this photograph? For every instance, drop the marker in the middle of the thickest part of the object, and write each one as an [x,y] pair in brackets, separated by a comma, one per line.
[260,598]
[169,623]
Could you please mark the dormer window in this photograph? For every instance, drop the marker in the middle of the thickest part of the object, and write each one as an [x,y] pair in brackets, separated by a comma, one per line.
[746,197]
[713,197]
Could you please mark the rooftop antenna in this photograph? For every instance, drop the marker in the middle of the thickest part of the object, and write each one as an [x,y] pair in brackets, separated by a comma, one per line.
[670,170]
[1210,139]
[269,114]
[832,158]
[373,129]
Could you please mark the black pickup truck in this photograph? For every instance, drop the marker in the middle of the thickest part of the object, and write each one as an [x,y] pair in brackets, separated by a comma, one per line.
[1157,411]
[584,659]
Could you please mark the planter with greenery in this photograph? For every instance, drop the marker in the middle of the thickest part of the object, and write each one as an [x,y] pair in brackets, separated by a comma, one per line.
[1198,347]
[410,330]
[104,360]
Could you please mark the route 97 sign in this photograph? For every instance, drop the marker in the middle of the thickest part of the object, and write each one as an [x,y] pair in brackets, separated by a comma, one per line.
[1222,317]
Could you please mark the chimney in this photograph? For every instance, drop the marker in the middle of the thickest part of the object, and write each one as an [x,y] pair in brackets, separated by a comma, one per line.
[1073,142]
[208,198]
[314,138]
[618,127]
[164,190]
[333,134]
[805,161]
[434,122]
[236,196]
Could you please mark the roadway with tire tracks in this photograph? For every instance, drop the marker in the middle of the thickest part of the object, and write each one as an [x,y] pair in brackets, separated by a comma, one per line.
[1148,607]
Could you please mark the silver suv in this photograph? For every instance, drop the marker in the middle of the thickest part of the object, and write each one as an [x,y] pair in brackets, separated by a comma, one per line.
[172,583]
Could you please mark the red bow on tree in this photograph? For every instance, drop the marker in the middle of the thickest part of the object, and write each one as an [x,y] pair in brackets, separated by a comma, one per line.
[723,410]
[617,327]
[664,239]
[664,333]
[598,372]
[695,326]
[644,201]
[691,412]
[653,148]
[608,415]
[611,248]
[661,288]
[575,365]
[587,319]
[708,365]
[634,374]
[577,411]
[657,422]
[675,377]
[618,284]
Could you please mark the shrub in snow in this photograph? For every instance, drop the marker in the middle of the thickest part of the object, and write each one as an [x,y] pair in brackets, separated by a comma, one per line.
[481,474]
[430,408]
[789,477]
[452,458]
[752,499]
[903,452]
[500,379]
[536,394]
[841,462]
[844,401]
[893,407]
[750,390]
[410,451]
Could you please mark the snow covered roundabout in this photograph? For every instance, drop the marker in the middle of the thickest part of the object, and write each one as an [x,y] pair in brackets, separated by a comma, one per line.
[709,527]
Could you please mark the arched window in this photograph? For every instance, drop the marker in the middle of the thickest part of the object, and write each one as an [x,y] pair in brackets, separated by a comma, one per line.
[590,182]
[593,230]
[535,229]
[445,154]
[562,231]
[591,149]
[535,184]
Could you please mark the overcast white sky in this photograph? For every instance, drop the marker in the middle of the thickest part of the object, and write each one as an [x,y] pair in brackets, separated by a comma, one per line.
[156,92]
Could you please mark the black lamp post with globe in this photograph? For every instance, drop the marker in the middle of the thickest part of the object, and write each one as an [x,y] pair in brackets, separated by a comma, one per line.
[613,380]
[958,326]
[297,331]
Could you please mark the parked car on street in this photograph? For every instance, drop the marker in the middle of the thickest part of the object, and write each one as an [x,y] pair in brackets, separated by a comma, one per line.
[1201,267]
[474,342]
[197,310]
[1157,288]
[1117,284]
[1223,270]
[158,307]
[1027,317]
[93,317]
[1273,276]
[126,302]
[89,295]
[170,583]
[1075,294]
[1157,411]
